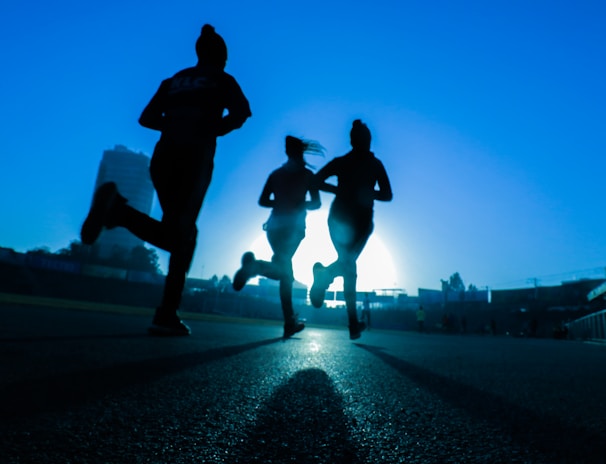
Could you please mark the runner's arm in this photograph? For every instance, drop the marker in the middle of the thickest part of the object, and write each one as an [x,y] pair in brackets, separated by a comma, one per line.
[265,199]
[319,180]
[384,193]
[238,109]
[152,116]
[314,201]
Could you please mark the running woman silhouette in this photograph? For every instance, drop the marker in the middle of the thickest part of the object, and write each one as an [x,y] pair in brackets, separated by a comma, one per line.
[350,220]
[188,109]
[286,192]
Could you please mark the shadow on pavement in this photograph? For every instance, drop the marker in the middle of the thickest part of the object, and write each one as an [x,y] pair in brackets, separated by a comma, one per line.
[547,434]
[71,338]
[303,421]
[55,393]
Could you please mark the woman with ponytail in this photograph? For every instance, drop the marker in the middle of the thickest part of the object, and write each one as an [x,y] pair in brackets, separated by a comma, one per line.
[286,193]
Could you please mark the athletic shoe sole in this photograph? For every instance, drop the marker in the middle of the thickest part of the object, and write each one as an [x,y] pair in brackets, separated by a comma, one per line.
[169,331]
[244,273]
[292,330]
[357,332]
[317,293]
[104,199]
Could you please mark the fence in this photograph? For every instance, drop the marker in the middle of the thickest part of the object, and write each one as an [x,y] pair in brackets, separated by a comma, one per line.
[590,327]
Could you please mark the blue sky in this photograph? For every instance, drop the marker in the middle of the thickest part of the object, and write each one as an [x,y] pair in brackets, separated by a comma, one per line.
[489,117]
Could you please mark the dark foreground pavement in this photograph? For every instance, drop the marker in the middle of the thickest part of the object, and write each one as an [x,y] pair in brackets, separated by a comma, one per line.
[93,387]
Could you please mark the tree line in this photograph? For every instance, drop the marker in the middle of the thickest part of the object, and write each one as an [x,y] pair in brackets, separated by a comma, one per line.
[139,258]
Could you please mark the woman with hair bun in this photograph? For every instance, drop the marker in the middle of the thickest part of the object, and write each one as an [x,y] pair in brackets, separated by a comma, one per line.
[350,220]
[191,110]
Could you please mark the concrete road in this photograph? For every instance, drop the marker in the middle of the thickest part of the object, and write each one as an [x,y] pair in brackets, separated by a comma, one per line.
[87,386]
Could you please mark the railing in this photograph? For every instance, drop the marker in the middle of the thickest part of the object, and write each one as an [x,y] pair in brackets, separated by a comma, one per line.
[590,327]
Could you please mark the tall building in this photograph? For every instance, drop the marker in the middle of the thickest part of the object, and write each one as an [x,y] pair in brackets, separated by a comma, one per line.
[130,172]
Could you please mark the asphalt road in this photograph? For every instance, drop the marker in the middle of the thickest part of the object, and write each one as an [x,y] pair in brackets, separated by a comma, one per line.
[92,387]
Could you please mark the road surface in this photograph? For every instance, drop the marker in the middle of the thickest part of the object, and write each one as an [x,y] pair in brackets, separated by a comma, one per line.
[89,386]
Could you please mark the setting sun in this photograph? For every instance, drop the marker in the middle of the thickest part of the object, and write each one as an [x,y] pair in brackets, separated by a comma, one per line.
[375,266]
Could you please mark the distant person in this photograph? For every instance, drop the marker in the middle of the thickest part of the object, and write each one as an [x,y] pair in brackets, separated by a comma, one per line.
[463,324]
[366,311]
[350,220]
[288,191]
[445,322]
[189,111]
[493,327]
[533,327]
[421,319]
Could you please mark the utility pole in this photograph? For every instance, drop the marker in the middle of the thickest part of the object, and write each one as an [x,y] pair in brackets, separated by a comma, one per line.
[535,283]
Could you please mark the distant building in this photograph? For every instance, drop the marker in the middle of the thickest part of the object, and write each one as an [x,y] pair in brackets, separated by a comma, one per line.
[269,289]
[434,297]
[130,172]
[569,295]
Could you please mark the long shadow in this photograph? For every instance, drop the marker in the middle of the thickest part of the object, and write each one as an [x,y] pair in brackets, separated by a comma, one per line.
[303,421]
[548,434]
[70,338]
[56,392]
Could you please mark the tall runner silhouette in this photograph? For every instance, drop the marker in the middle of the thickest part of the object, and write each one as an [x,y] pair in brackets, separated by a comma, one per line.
[188,110]
[350,220]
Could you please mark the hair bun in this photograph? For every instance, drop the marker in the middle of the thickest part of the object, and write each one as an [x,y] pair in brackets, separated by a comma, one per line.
[207,29]
[360,135]
[210,47]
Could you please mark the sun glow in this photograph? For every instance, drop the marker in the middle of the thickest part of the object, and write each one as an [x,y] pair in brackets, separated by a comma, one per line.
[375,265]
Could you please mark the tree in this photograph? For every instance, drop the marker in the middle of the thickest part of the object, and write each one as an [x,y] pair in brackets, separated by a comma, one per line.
[75,250]
[453,284]
[224,283]
[44,250]
[456,283]
[144,259]
[118,258]
[139,258]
